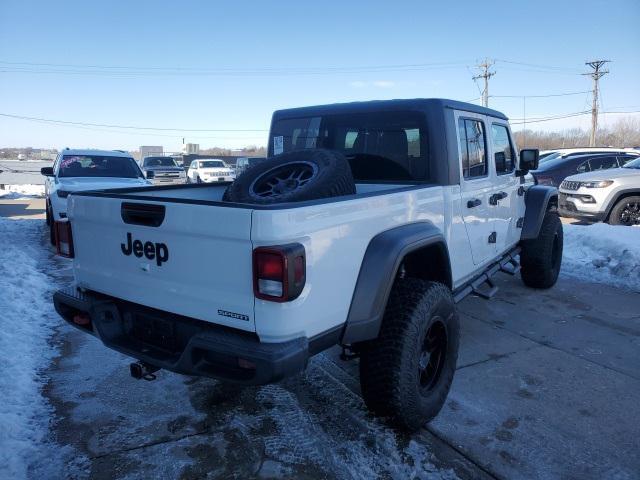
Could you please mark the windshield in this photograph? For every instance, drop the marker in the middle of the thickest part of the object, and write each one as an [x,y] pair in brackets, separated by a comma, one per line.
[160,162]
[98,166]
[255,160]
[633,164]
[380,146]
[212,164]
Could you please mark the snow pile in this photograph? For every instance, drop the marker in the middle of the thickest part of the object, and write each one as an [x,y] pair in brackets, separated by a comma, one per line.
[11,192]
[603,253]
[26,324]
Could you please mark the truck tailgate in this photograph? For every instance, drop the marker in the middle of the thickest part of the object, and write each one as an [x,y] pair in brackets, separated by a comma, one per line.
[196,262]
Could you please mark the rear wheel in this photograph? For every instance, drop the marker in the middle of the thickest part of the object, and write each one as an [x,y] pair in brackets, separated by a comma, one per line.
[406,372]
[626,212]
[541,257]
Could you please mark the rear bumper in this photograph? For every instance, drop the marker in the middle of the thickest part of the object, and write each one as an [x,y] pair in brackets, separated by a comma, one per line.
[181,344]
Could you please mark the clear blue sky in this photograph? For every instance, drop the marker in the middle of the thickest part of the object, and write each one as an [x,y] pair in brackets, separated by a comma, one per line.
[244,40]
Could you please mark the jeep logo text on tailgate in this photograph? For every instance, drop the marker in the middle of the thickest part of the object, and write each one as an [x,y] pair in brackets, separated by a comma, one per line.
[159,251]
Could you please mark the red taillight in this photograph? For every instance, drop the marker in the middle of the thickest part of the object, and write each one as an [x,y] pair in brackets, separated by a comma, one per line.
[279,272]
[64,239]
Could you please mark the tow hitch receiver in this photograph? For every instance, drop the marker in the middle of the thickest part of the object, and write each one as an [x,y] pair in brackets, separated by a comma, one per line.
[142,370]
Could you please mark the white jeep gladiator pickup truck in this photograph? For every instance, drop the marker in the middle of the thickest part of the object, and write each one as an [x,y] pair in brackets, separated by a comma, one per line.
[363,229]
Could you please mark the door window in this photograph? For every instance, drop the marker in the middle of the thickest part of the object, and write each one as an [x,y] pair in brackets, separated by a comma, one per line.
[583,167]
[503,152]
[472,147]
[603,163]
[624,159]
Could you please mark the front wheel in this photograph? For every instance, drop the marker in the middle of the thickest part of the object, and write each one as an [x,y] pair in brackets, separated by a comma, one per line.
[626,212]
[406,372]
[541,257]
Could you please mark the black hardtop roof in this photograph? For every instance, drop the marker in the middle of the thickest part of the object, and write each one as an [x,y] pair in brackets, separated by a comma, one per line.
[398,104]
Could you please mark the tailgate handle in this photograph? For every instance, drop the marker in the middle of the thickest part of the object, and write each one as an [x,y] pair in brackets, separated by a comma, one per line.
[148,215]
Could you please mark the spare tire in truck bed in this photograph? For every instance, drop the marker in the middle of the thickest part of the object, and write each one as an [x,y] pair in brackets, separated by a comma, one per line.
[294,177]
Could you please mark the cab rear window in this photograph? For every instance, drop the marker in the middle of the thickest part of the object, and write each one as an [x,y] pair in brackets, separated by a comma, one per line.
[380,146]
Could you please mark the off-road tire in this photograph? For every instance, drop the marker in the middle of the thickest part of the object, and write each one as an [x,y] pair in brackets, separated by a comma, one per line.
[615,217]
[541,257]
[389,365]
[332,177]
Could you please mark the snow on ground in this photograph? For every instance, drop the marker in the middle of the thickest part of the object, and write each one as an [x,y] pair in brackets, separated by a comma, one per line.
[11,192]
[603,253]
[26,325]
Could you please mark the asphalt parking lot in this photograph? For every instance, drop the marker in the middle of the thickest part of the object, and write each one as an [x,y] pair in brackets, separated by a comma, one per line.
[547,387]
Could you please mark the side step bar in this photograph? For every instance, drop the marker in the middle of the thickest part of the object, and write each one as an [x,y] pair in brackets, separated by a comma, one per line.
[483,285]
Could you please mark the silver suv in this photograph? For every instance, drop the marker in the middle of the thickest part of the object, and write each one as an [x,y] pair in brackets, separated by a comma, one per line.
[611,196]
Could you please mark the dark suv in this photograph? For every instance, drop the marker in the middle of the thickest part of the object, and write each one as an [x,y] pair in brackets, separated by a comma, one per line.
[553,172]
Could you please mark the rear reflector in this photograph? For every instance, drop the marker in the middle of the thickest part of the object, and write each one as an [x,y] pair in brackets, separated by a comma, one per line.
[64,239]
[279,272]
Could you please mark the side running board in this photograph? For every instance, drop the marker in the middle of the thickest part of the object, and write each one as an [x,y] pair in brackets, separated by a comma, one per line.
[483,285]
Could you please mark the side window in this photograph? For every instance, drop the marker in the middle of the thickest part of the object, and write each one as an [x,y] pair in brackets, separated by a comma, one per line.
[472,147]
[503,152]
[583,167]
[603,163]
[623,160]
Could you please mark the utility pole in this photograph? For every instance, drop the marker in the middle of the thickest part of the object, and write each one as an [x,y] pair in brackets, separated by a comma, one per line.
[597,73]
[486,75]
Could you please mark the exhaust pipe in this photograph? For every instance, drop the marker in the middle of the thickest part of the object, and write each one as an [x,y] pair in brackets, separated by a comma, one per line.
[142,370]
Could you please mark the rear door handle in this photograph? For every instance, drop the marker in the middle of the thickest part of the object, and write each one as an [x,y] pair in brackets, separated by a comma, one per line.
[476,202]
[496,197]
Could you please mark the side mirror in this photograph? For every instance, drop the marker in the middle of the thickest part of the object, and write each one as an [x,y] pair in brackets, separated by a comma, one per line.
[529,159]
[47,171]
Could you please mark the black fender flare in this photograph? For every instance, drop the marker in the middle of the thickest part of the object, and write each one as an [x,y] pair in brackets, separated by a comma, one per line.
[537,199]
[378,270]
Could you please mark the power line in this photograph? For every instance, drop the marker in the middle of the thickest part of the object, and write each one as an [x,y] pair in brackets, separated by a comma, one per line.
[538,66]
[541,96]
[87,124]
[122,70]
[548,119]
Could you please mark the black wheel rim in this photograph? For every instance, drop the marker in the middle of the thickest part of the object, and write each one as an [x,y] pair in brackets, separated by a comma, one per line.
[283,180]
[630,214]
[432,355]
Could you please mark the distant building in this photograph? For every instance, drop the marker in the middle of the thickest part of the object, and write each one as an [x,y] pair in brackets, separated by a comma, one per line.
[191,148]
[151,151]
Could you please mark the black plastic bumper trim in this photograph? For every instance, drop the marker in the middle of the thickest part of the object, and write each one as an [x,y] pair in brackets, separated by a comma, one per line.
[187,346]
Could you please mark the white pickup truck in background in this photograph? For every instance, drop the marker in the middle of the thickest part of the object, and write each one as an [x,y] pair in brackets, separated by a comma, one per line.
[79,170]
[367,228]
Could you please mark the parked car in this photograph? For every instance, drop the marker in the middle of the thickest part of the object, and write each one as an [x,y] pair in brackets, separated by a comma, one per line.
[555,171]
[570,152]
[209,170]
[611,196]
[242,163]
[163,171]
[79,170]
[354,233]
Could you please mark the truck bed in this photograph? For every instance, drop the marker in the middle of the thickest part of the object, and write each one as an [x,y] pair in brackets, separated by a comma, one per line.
[209,273]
